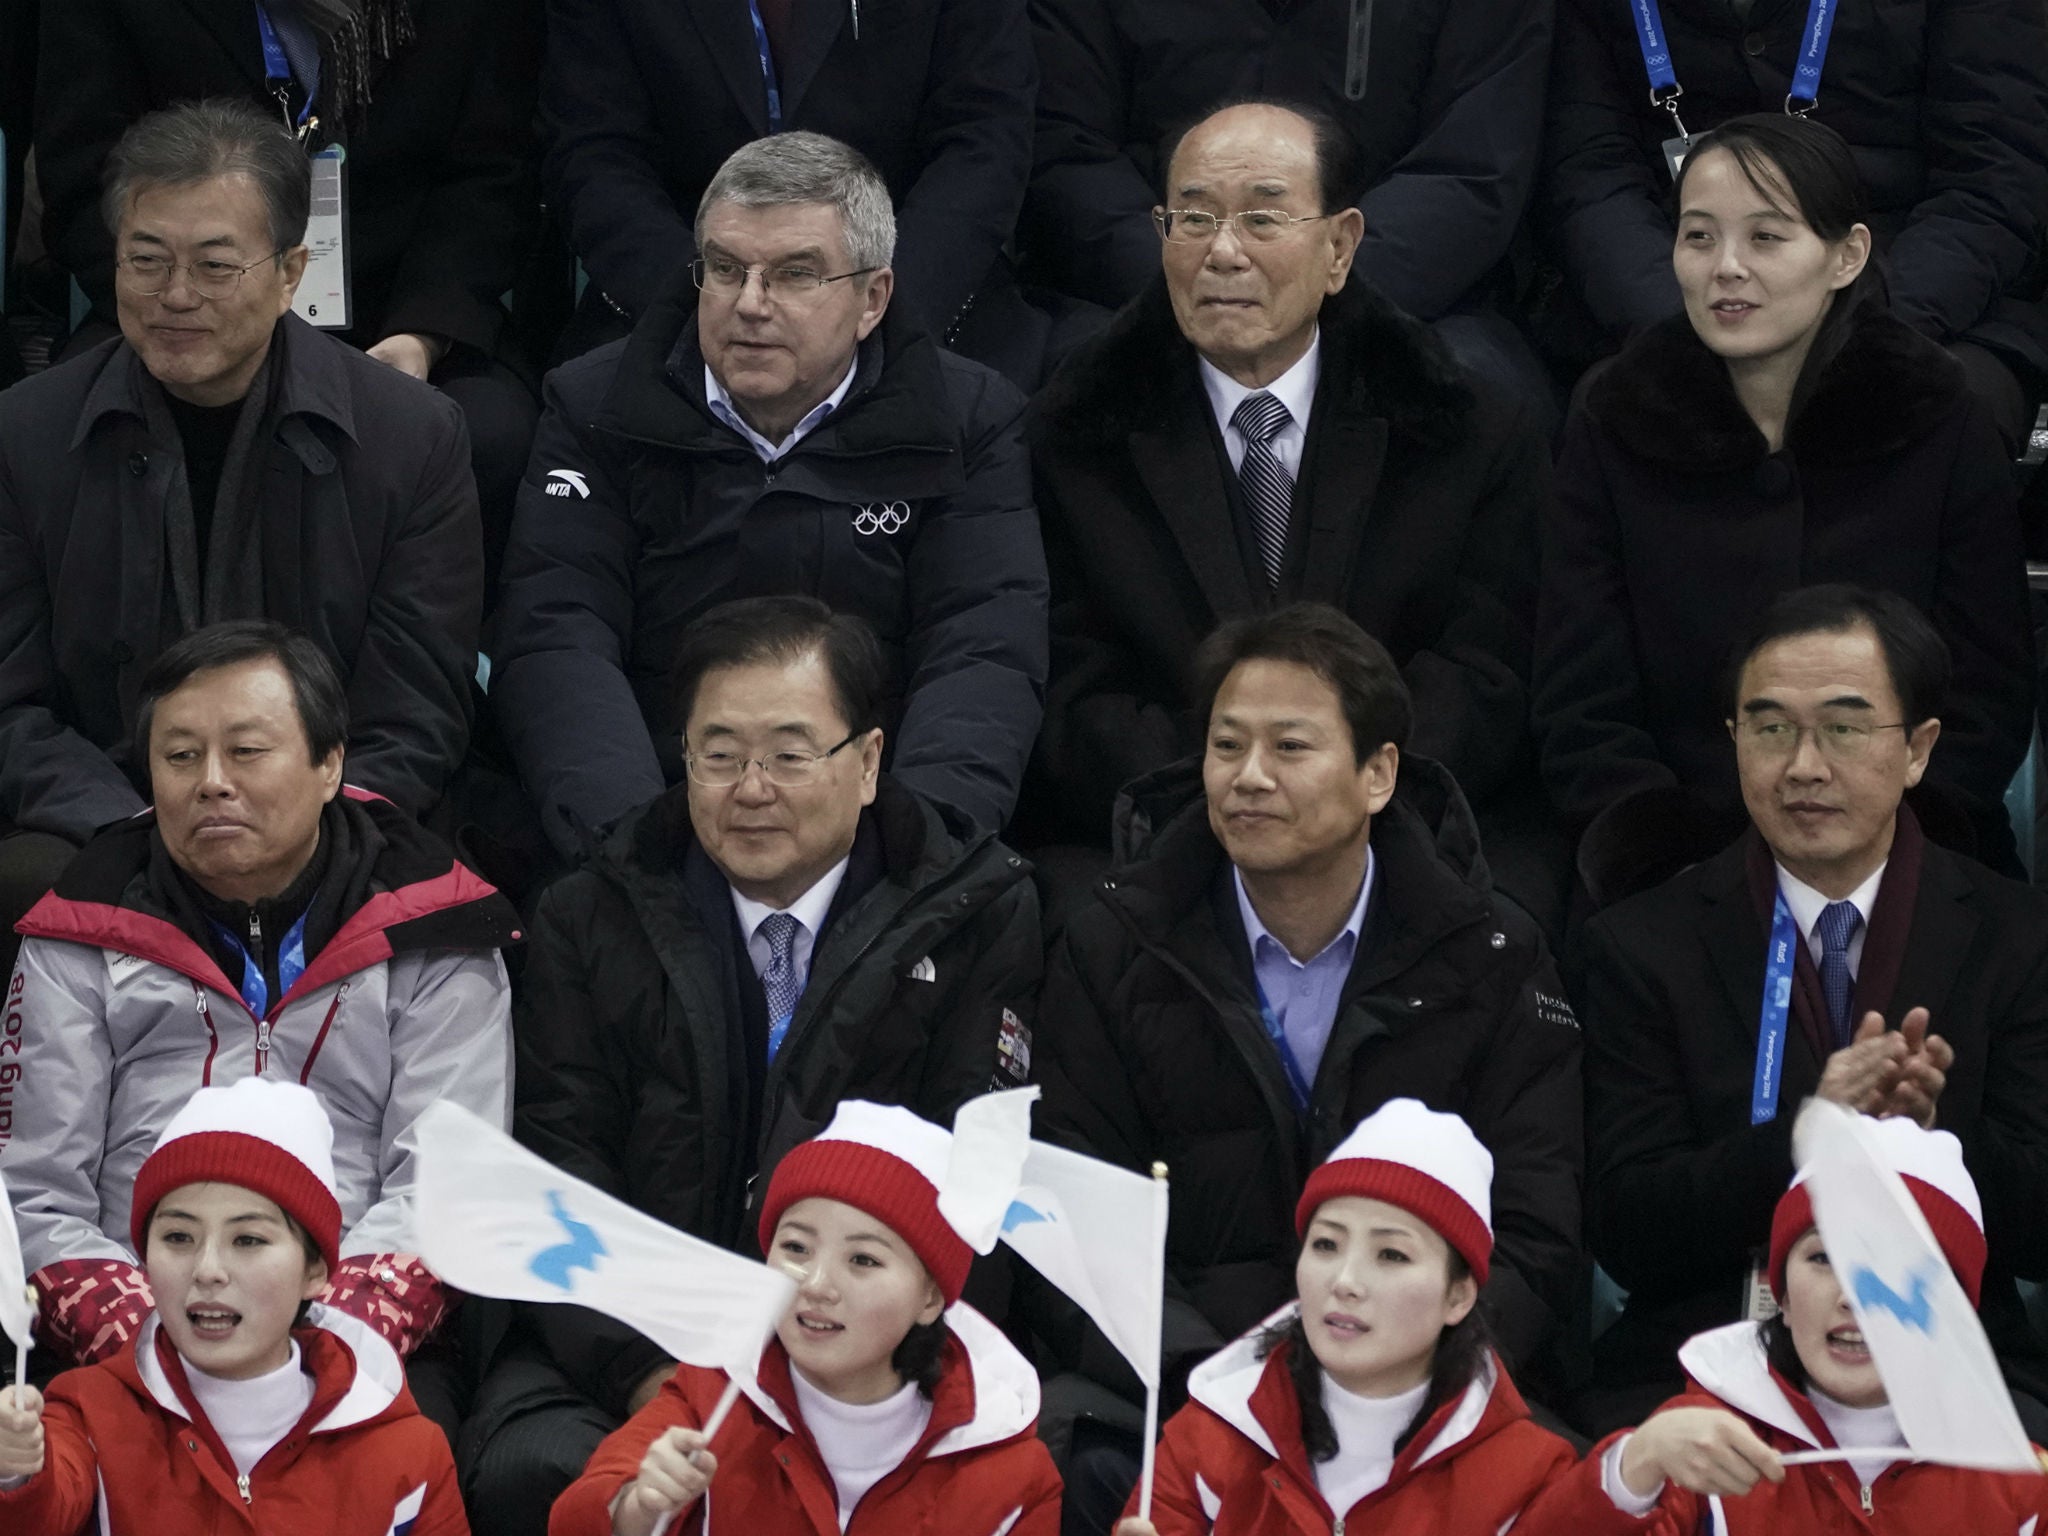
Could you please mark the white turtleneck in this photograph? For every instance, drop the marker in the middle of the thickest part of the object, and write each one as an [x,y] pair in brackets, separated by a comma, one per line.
[253,1415]
[1860,1429]
[1367,1428]
[861,1443]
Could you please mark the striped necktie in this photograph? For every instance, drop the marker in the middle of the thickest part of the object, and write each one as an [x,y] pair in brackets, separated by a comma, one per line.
[1268,488]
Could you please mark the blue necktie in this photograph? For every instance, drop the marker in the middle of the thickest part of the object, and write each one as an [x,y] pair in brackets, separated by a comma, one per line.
[1838,923]
[1268,488]
[780,981]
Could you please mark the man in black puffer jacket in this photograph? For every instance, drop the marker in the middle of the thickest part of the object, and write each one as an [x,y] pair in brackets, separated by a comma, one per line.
[788,929]
[1183,1026]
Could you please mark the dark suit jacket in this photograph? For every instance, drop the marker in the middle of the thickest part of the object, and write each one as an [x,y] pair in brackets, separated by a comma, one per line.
[1415,512]
[643,100]
[1681,1187]
[443,203]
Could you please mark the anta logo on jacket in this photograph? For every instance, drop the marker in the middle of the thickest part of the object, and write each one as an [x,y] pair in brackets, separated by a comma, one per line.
[129,1450]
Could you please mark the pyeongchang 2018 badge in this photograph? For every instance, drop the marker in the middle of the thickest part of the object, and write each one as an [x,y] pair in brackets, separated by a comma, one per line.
[1013,1054]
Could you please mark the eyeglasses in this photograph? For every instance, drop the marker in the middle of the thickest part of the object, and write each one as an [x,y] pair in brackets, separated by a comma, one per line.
[785,770]
[726,278]
[146,275]
[1842,741]
[1191,226]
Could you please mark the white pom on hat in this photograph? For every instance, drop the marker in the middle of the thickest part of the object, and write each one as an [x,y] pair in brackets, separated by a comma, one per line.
[884,1160]
[269,1136]
[1424,1161]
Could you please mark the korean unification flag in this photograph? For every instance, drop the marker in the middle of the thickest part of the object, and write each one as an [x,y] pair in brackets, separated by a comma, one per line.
[1939,1373]
[17,1312]
[498,1221]
[1098,1232]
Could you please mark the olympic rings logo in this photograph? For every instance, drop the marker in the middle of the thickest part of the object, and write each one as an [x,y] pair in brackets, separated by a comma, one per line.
[882,517]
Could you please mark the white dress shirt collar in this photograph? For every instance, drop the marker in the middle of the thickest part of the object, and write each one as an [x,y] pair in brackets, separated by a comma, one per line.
[810,911]
[1806,905]
[722,407]
[1295,389]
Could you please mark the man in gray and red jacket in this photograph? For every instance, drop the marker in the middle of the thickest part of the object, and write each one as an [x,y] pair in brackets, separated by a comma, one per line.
[260,919]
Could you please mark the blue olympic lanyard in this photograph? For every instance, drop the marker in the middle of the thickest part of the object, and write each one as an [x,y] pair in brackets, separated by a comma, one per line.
[767,79]
[277,67]
[1779,962]
[778,1031]
[1296,1082]
[291,965]
[1665,89]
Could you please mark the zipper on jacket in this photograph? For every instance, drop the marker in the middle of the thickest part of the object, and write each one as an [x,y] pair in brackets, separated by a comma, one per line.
[255,937]
[326,1024]
[1338,1528]
[212,1038]
[262,1046]
[242,1483]
[1868,1507]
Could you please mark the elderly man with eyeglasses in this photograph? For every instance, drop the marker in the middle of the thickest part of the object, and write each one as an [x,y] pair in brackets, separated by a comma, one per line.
[1261,426]
[1834,950]
[774,424]
[220,459]
[789,927]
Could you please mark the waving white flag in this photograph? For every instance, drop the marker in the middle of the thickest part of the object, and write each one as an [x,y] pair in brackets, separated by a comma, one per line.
[1939,1373]
[496,1220]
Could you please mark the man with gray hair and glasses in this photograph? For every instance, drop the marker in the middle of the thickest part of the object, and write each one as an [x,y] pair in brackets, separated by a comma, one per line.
[773,425]
[219,460]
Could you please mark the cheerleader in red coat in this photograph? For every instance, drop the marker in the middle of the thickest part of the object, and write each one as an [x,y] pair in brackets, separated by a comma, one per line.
[1374,1403]
[1709,1460]
[882,1407]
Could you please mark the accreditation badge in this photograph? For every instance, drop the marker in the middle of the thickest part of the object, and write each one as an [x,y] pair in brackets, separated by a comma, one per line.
[323,296]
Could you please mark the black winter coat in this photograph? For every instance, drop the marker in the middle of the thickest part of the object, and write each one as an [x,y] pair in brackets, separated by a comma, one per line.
[1416,513]
[1674,525]
[643,101]
[443,191]
[641,509]
[1944,104]
[1152,1047]
[1448,127]
[1680,1187]
[370,544]
[629,1027]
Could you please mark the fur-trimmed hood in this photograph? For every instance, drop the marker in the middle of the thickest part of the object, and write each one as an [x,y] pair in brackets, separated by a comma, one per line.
[1392,365]
[1669,400]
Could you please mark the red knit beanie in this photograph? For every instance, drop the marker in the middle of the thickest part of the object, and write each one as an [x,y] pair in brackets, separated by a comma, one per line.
[1427,1163]
[263,1135]
[1931,1163]
[888,1162]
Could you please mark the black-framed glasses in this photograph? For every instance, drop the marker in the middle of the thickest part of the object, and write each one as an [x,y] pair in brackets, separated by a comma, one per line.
[787,769]
[147,274]
[1192,226]
[725,277]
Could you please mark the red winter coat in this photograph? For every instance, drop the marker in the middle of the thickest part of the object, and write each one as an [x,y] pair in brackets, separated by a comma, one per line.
[1728,1369]
[979,1470]
[1232,1462]
[127,1448]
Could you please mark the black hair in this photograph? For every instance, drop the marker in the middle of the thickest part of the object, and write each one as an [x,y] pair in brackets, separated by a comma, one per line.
[1330,644]
[921,1355]
[316,688]
[1808,164]
[1915,655]
[1781,1351]
[784,630]
[1461,1354]
[1340,161]
[198,141]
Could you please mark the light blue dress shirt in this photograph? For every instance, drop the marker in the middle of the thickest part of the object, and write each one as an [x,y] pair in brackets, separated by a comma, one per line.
[1302,996]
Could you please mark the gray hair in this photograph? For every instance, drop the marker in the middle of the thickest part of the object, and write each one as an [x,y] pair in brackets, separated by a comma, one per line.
[810,168]
[202,140]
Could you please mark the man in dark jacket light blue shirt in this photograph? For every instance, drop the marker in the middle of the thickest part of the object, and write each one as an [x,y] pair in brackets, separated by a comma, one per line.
[772,426]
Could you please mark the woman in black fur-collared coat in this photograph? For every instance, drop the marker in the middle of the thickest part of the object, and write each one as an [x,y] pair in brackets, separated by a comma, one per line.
[1750,446]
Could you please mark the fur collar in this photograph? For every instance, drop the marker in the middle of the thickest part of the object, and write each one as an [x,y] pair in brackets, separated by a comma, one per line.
[1669,400]
[1135,375]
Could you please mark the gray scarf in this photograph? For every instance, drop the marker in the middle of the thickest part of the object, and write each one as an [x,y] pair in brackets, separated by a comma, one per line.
[231,586]
[354,35]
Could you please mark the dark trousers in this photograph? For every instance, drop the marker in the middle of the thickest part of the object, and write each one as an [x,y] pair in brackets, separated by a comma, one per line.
[30,863]
[501,411]
[528,1436]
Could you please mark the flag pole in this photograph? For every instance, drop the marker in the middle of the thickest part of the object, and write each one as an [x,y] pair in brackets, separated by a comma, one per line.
[1865,1453]
[725,1401]
[1159,1210]
[21,1345]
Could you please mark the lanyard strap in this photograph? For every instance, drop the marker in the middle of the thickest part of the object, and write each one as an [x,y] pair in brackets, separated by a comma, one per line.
[277,64]
[1297,1082]
[1665,90]
[768,66]
[1777,1008]
[291,964]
